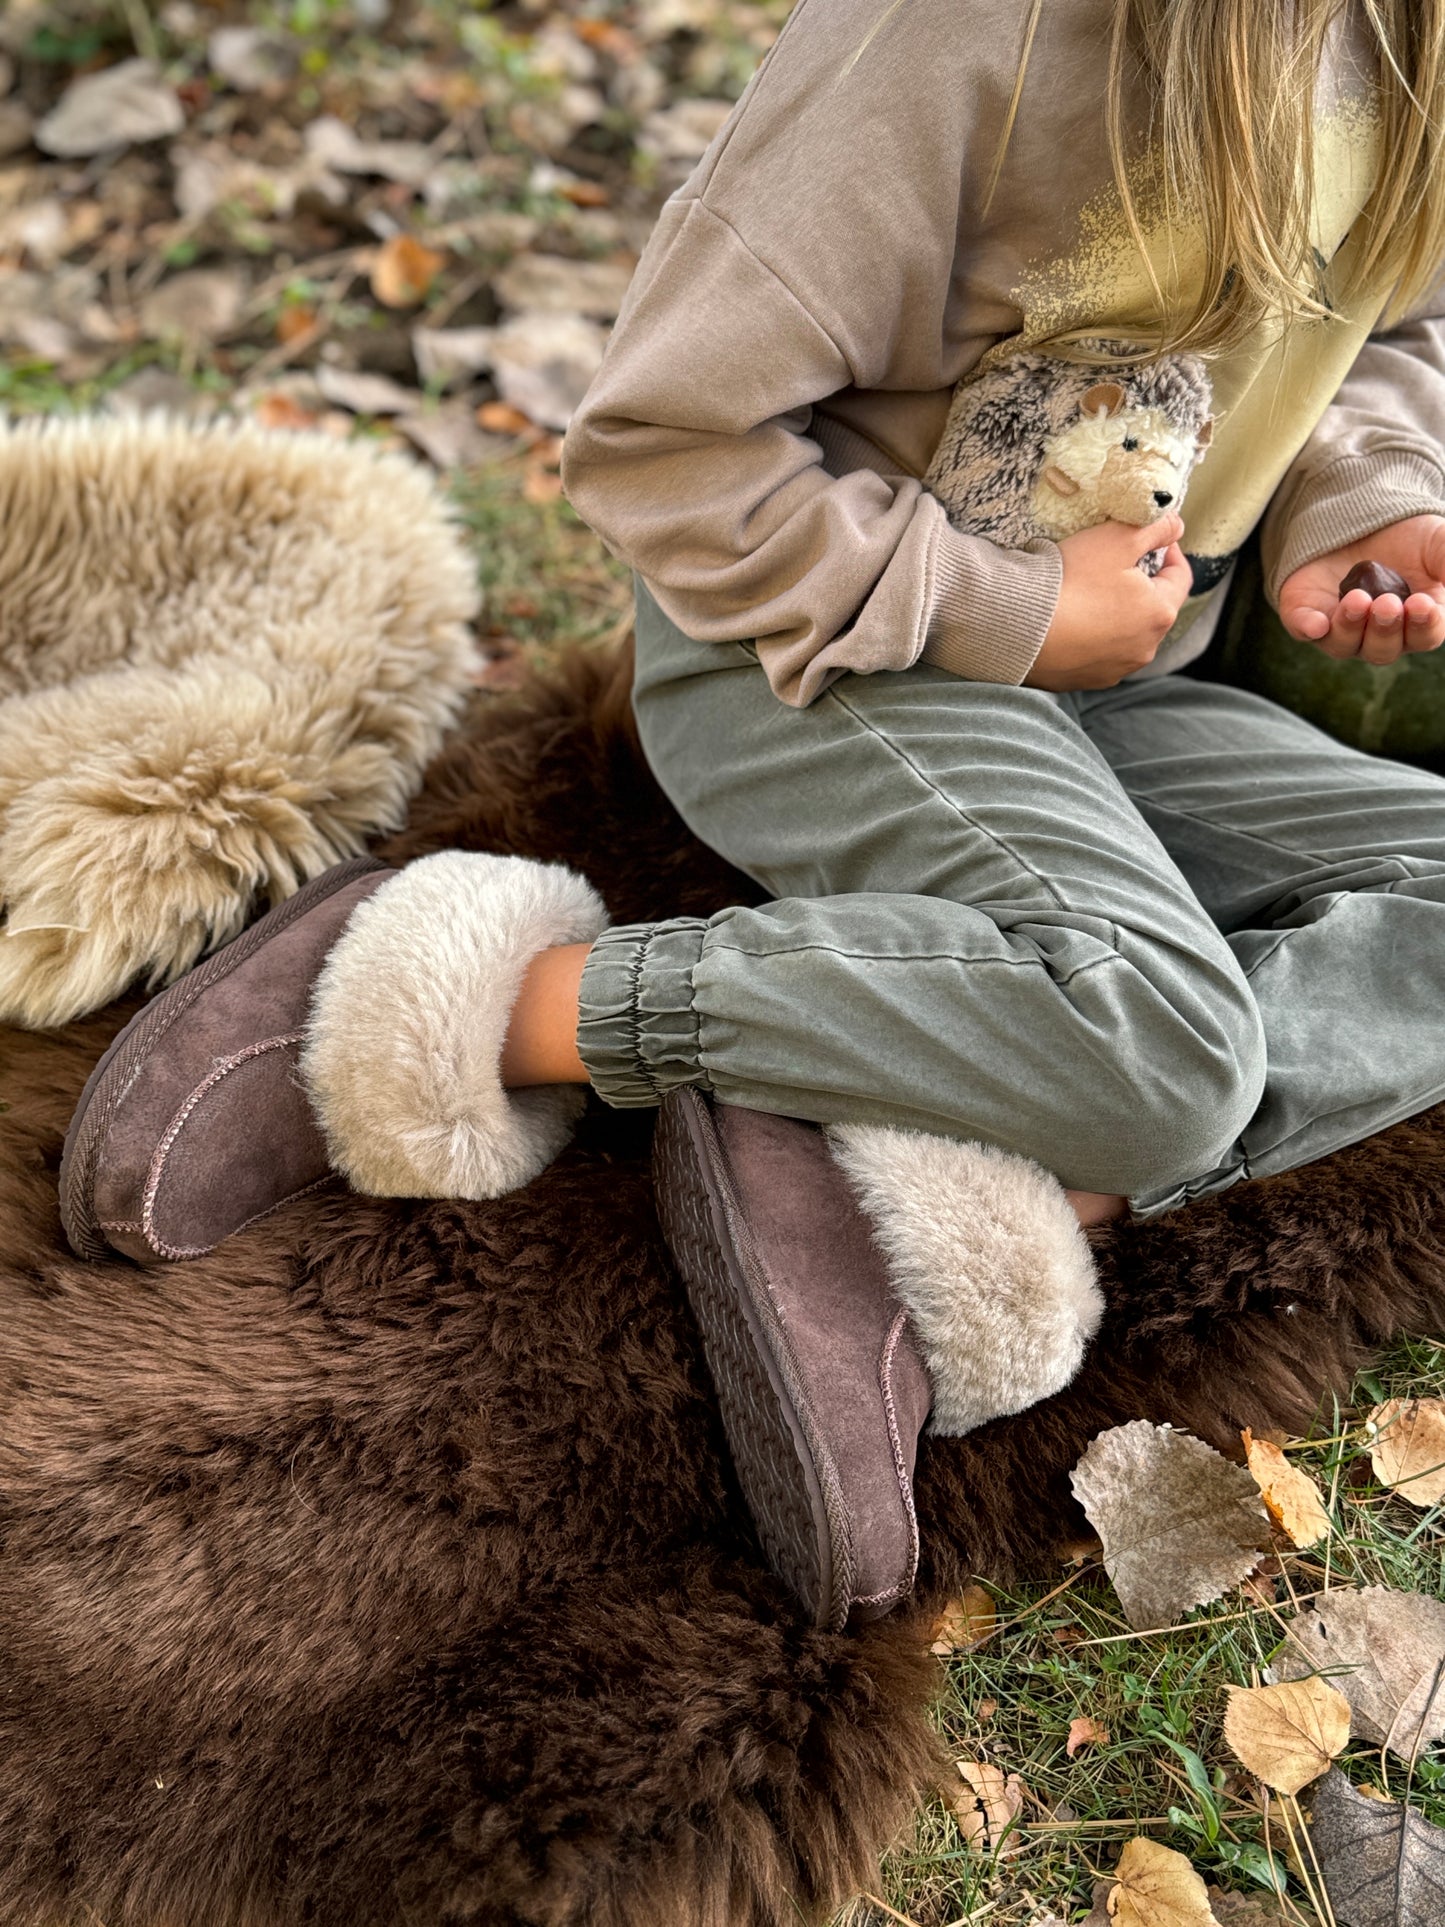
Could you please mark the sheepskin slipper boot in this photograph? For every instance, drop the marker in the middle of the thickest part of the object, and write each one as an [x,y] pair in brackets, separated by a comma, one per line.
[226,656]
[402,1057]
[984,1249]
[358,1029]
[844,1279]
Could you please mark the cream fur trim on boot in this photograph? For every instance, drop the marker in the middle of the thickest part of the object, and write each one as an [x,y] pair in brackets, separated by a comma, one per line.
[987,1257]
[402,1056]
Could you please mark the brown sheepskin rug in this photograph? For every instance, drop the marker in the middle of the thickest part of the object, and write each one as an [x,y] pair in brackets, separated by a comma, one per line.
[386,1566]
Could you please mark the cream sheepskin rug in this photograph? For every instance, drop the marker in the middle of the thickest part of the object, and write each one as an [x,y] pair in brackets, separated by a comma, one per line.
[226,656]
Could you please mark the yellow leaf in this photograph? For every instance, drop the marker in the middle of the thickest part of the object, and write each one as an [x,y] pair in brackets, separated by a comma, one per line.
[1157,1888]
[1408,1448]
[403,271]
[965,1623]
[1085,1732]
[1291,1497]
[1287,1734]
[987,1807]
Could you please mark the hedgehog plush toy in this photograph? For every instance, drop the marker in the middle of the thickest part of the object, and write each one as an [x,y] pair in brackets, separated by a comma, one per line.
[1037,446]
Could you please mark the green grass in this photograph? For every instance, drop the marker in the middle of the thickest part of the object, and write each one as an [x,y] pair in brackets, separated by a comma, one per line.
[1166,1771]
[546,579]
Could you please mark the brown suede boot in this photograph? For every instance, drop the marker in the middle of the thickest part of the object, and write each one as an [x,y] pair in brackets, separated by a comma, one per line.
[845,1280]
[820,1385]
[355,1029]
[193,1125]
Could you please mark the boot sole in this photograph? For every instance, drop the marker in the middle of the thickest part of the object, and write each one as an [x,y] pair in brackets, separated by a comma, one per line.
[788,1477]
[112,1076]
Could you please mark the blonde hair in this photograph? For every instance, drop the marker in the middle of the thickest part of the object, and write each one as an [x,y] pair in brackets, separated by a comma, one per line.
[1232,85]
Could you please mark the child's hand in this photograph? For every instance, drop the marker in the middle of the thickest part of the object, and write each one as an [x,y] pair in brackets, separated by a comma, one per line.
[1385,629]
[1111,617]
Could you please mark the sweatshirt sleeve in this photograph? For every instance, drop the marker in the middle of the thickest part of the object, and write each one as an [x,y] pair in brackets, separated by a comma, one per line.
[813,249]
[1377,454]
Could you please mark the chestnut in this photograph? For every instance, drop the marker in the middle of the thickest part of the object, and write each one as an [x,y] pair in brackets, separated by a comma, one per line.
[1375,579]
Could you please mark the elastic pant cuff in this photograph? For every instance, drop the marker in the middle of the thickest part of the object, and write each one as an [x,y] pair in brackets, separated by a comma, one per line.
[637,1030]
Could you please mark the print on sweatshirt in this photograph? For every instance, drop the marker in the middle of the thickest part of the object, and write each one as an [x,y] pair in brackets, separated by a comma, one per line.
[755,442]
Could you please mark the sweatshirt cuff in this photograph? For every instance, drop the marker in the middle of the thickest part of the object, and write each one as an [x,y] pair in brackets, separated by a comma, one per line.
[989,622]
[1349,500]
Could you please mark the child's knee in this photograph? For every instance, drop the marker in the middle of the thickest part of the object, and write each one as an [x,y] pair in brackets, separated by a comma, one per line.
[1187,1092]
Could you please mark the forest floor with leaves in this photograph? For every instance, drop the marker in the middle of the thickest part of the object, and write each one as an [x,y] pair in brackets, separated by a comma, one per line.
[414,223]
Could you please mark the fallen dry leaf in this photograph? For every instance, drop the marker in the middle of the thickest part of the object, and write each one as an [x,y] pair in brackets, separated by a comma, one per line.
[333,143]
[198,306]
[280,411]
[17,127]
[297,324]
[451,354]
[500,418]
[1408,1448]
[584,193]
[553,284]
[1291,1497]
[541,485]
[1243,1910]
[987,1807]
[965,1623]
[1287,1734]
[250,58]
[116,107]
[1157,1887]
[1383,1865]
[1385,1651]
[544,364]
[1085,1732]
[1078,1552]
[986,1709]
[158,390]
[404,270]
[449,436]
[1180,1524]
[549,124]
[365,394]
[684,131]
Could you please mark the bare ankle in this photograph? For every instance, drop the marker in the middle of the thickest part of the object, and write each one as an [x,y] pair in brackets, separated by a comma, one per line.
[1096,1207]
[541,1046]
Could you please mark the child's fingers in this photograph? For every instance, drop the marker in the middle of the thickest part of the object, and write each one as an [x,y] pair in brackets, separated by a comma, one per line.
[1383,640]
[1175,576]
[1347,628]
[1307,615]
[1157,535]
[1424,623]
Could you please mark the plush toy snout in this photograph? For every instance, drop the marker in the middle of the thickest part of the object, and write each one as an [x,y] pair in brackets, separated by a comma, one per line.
[1114,462]
[1138,488]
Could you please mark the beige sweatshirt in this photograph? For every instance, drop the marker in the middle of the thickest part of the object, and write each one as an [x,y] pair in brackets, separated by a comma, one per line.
[780,372]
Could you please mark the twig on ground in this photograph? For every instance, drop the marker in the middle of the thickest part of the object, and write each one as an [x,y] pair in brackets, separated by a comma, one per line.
[905,1920]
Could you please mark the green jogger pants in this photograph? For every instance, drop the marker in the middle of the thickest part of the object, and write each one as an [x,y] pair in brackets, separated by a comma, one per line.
[1158,938]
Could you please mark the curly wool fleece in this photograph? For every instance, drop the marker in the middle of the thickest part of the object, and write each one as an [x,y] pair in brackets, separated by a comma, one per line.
[225,658]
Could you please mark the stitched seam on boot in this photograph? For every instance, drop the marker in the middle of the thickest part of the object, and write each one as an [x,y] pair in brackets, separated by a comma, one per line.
[201,1251]
[903,1586]
[163,1149]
